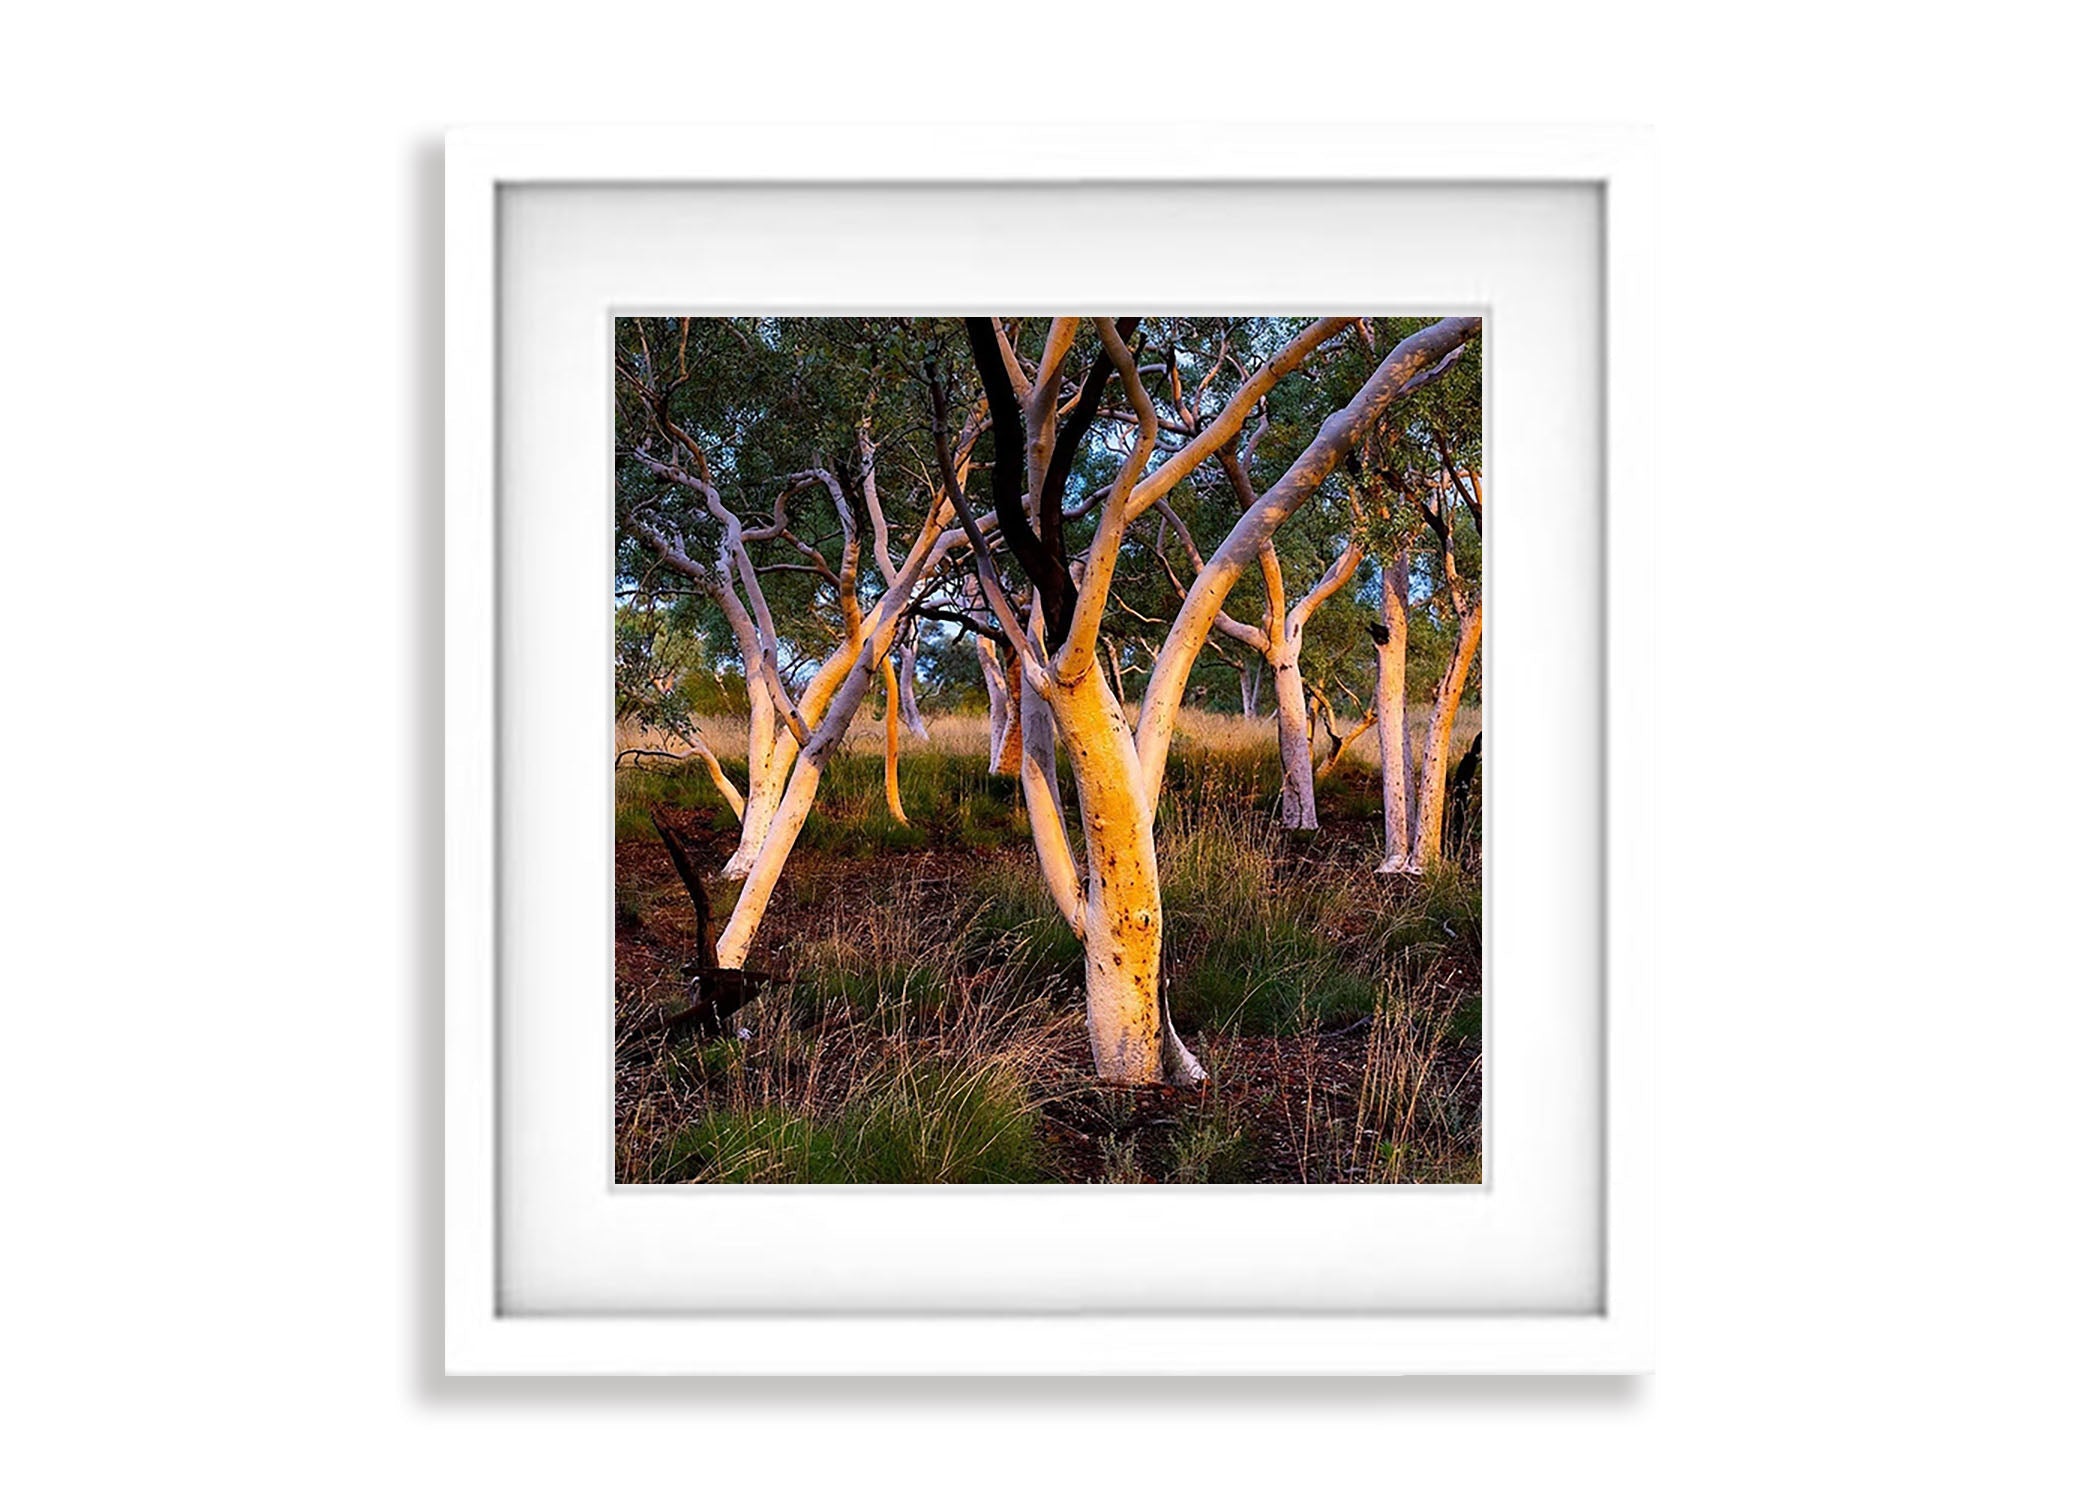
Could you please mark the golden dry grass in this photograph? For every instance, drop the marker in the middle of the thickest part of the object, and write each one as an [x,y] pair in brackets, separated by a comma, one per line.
[1196,730]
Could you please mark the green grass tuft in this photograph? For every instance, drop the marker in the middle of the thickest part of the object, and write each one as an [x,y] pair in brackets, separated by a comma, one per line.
[1273,977]
[863,981]
[922,1124]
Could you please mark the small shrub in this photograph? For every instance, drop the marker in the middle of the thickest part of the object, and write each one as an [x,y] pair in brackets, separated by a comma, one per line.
[1203,1150]
[1119,1161]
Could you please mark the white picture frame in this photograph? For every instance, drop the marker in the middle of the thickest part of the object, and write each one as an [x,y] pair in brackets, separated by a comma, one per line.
[481,1335]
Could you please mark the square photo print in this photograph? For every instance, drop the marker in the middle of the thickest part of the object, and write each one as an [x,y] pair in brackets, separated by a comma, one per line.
[1048,750]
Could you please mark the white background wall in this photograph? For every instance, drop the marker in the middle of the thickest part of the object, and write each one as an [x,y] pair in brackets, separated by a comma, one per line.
[219,609]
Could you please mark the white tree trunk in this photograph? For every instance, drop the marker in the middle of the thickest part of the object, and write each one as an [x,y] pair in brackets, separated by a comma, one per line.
[805,766]
[1428,845]
[1286,651]
[908,673]
[768,748]
[761,803]
[1412,362]
[1293,735]
[1395,751]
[1039,746]
[1250,688]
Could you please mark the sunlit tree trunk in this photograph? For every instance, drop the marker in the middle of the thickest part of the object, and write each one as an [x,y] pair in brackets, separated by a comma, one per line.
[1120,772]
[1396,770]
[1117,773]
[890,714]
[1414,361]
[1281,641]
[769,770]
[852,676]
[1120,919]
[769,747]
[1427,848]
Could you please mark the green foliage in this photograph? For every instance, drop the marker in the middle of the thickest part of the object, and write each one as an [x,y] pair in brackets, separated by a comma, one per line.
[769,399]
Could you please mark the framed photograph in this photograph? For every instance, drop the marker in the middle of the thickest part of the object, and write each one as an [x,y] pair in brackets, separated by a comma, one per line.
[1045,752]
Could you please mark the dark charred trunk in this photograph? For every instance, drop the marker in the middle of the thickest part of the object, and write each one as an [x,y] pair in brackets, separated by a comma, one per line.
[713,994]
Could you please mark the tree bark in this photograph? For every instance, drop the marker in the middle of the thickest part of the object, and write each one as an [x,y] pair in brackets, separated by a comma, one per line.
[1132,1037]
[908,672]
[768,749]
[1294,739]
[890,713]
[1427,847]
[1395,749]
[851,682]
[1293,725]
[1038,767]
[1002,691]
[1117,772]
[1250,687]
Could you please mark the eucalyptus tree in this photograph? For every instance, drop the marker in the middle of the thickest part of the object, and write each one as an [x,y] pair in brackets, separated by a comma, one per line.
[1421,498]
[720,419]
[1441,500]
[1046,453]
[1039,422]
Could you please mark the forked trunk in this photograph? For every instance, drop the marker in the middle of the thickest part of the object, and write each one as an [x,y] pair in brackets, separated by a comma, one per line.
[760,805]
[797,794]
[1250,688]
[1294,738]
[803,767]
[1396,769]
[1427,847]
[908,671]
